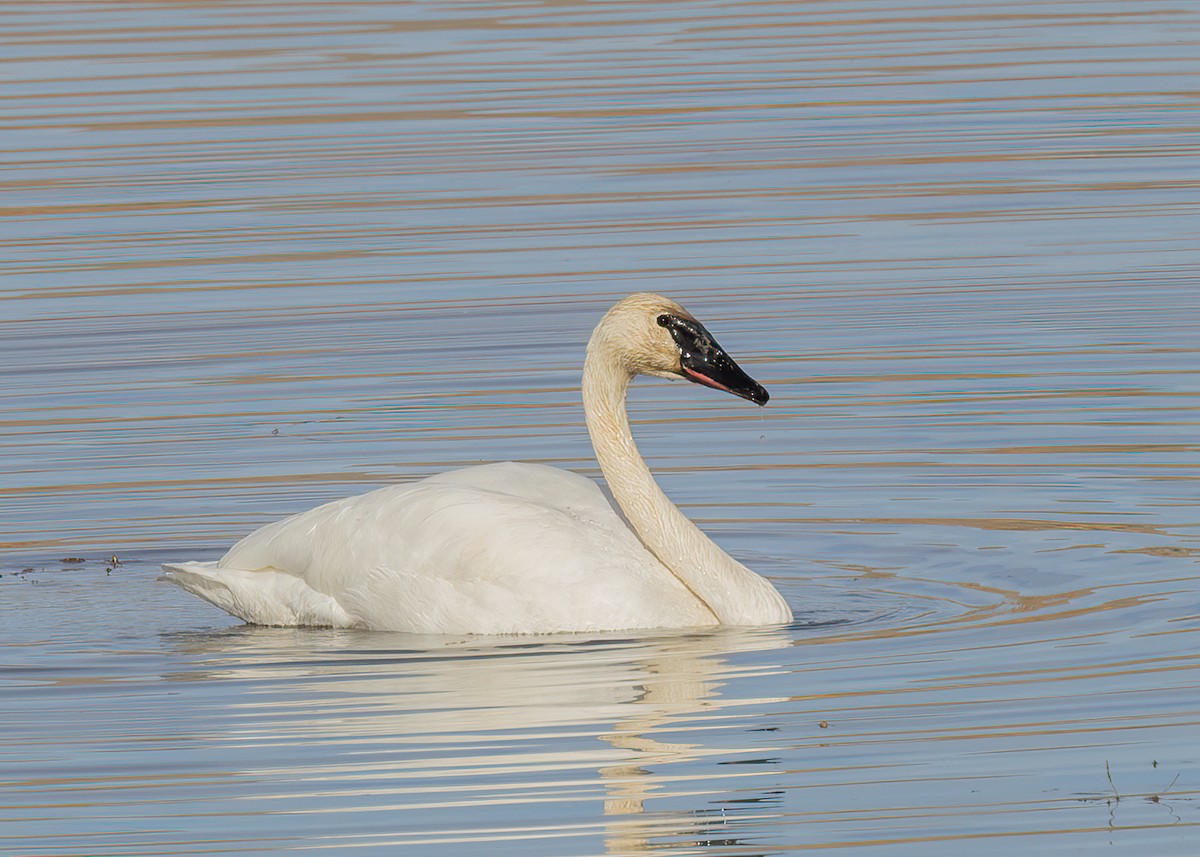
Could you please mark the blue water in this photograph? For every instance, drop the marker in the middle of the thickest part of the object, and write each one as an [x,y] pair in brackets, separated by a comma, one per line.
[257,257]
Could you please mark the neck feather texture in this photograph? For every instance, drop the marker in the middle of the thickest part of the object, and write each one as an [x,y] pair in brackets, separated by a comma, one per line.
[735,595]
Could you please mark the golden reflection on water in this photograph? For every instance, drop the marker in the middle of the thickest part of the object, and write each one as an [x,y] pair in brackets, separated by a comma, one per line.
[474,701]
[260,257]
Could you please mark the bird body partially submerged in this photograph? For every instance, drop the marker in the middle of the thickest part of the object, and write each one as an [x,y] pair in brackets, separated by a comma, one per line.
[514,548]
[499,549]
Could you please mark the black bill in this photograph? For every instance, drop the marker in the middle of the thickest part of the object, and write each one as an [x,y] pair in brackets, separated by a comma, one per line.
[703,360]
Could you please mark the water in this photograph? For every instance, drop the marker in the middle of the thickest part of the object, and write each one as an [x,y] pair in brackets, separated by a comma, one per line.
[261,256]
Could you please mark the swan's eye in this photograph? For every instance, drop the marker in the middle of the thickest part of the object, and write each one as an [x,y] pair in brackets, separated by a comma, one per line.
[664,320]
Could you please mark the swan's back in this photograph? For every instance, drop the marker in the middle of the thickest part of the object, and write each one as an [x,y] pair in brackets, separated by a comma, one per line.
[502,548]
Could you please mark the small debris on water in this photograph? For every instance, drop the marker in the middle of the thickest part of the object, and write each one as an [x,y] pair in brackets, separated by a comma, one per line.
[72,559]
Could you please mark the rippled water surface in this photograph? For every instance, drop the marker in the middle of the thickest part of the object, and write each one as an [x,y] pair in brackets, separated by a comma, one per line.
[258,256]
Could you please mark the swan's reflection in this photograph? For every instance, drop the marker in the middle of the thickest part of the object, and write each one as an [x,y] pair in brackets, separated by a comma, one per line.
[405,710]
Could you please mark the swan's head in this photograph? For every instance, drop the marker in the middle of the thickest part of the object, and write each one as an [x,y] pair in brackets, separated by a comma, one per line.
[652,335]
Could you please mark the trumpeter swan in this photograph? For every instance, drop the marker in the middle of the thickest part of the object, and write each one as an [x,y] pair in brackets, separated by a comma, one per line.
[515,548]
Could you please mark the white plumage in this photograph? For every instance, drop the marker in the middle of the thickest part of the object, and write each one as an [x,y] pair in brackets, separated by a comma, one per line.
[498,549]
[511,548]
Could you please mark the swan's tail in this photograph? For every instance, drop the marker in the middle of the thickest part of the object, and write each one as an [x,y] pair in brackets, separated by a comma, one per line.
[262,597]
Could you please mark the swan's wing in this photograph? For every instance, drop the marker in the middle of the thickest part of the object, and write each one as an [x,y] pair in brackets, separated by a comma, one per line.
[498,549]
[408,526]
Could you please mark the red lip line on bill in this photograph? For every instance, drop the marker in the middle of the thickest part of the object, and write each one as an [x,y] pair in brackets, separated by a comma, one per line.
[704,379]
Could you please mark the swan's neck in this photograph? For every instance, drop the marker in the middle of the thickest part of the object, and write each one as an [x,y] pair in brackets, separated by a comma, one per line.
[734,594]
